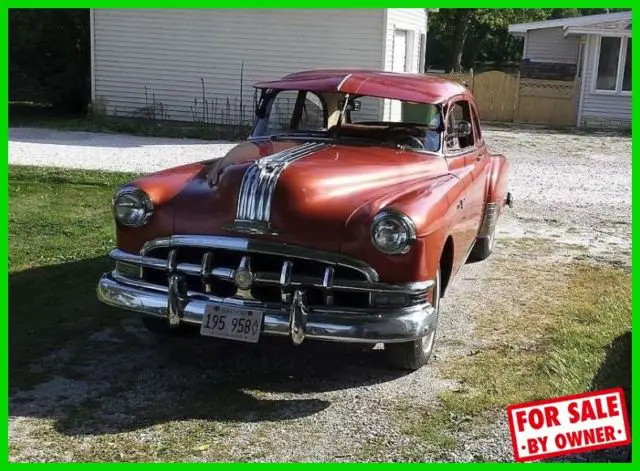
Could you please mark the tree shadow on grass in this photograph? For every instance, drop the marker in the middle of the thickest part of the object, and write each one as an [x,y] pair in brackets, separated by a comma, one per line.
[96,370]
[615,372]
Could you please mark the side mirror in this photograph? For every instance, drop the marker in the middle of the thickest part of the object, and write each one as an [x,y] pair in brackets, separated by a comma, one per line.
[463,129]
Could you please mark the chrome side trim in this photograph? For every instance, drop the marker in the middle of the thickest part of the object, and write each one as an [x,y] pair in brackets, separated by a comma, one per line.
[489,220]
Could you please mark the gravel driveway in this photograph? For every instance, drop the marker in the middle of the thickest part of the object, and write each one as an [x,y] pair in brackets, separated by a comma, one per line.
[317,402]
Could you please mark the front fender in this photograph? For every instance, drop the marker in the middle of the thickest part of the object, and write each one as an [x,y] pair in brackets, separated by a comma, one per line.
[429,205]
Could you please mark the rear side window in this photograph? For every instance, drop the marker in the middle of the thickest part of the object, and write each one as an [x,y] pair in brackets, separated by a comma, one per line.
[459,116]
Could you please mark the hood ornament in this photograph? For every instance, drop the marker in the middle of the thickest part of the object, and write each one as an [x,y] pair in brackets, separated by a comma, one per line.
[251,227]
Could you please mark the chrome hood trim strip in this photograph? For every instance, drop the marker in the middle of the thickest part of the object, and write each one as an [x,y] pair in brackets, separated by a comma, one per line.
[260,180]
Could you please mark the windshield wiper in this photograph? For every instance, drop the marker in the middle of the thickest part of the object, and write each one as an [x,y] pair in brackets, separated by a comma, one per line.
[297,134]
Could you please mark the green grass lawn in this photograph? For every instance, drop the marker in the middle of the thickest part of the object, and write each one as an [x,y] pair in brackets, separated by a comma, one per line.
[60,229]
[557,330]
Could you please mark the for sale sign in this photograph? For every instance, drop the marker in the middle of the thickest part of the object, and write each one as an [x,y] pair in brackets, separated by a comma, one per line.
[569,424]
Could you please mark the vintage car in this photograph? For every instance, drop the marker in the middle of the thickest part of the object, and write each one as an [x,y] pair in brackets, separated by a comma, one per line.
[327,224]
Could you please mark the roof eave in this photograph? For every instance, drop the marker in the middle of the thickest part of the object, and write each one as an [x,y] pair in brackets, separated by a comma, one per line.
[579,21]
[625,33]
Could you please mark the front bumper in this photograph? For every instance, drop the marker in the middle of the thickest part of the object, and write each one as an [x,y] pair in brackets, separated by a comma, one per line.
[371,325]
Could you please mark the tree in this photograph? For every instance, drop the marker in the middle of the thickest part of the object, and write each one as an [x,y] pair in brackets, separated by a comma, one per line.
[460,22]
[49,57]
[463,37]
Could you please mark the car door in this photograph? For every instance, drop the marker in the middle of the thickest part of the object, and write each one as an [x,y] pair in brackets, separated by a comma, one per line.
[460,155]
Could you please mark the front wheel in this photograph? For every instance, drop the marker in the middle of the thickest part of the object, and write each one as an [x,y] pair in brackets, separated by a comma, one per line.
[415,354]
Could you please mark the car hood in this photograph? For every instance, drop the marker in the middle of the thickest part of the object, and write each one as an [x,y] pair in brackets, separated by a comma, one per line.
[313,196]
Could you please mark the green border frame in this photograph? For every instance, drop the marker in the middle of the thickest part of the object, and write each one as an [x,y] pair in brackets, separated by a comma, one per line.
[4,331]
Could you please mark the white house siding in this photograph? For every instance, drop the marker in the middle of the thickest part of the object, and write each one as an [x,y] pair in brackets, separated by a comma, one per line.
[171,53]
[414,21]
[550,45]
[602,110]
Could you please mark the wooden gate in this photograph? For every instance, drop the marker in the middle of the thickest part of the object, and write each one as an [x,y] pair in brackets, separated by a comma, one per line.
[496,94]
[508,98]
[549,102]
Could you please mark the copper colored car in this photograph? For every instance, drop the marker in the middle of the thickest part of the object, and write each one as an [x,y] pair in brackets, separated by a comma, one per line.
[344,217]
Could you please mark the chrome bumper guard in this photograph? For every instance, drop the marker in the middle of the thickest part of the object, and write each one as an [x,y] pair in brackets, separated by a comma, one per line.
[298,321]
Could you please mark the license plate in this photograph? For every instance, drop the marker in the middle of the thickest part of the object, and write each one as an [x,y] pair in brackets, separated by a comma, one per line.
[232,323]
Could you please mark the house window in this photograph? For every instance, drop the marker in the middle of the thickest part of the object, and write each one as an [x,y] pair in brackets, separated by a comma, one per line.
[613,70]
[626,75]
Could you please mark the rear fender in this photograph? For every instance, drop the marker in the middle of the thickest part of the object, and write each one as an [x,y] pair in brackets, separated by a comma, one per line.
[498,180]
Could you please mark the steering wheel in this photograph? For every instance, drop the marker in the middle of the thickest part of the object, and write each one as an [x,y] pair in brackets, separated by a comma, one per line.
[414,140]
[397,140]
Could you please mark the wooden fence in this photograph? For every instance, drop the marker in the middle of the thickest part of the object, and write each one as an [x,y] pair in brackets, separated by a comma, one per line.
[507,98]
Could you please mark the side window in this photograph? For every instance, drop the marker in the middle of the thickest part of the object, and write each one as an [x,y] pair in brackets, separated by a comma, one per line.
[296,110]
[459,130]
[282,111]
[313,113]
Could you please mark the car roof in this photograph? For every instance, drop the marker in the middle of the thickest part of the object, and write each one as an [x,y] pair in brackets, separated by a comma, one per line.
[420,88]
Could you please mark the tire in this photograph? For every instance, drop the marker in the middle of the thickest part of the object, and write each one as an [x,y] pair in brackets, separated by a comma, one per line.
[483,247]
[415,354]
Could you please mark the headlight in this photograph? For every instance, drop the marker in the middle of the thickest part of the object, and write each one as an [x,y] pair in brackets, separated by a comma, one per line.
[132,207]
[393,232]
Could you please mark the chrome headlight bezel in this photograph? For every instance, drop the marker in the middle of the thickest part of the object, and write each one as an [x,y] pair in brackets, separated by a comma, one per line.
[403,222]
[141,198]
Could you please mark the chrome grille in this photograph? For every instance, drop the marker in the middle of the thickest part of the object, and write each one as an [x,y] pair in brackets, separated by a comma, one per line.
[209,264]
[211,271]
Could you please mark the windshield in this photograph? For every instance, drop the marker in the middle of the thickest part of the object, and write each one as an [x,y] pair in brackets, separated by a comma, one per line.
[396,123]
